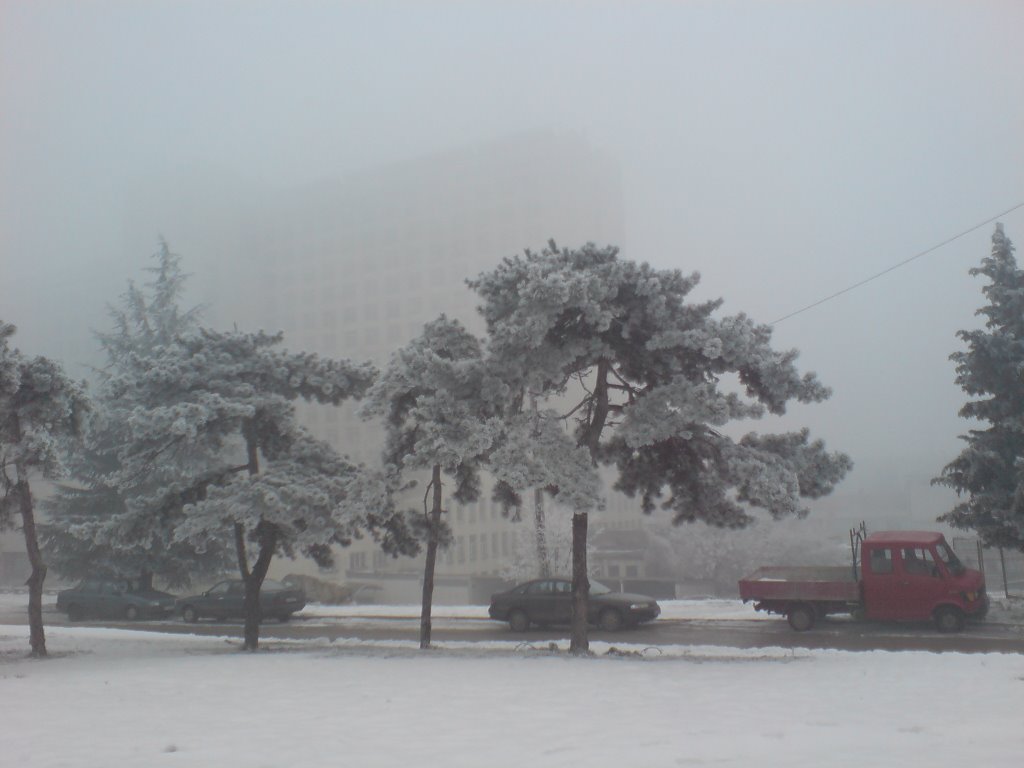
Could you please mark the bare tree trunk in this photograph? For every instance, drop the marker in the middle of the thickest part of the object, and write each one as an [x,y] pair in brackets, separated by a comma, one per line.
[253,579]
[543,560]
[591,438]
[253,583]
[578,643]
[434,518]
[37,637]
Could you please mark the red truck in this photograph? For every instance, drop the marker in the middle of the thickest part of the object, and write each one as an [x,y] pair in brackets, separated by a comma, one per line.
[898,576]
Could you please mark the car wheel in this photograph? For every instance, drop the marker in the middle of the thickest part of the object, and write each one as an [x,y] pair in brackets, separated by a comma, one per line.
[189,614]
[518,621]
[801,617]
[610,620]
[131,613]
[75,613]
[949,619]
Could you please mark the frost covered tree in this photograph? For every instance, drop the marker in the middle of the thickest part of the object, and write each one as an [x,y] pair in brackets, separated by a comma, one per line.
[214,426]
[96,527]
[989,471]
[535,452]
[40,408]
[525,560]
[441,409]
[645,375]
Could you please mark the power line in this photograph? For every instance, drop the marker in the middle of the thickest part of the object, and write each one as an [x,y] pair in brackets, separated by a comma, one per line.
[900,264]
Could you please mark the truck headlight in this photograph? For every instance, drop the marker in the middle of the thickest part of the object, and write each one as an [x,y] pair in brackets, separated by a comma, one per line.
[970,596]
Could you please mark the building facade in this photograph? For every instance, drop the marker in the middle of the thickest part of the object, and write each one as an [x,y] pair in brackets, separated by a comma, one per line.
[355,267]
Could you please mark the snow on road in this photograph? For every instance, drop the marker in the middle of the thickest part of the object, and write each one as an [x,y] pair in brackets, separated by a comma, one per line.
[113,698]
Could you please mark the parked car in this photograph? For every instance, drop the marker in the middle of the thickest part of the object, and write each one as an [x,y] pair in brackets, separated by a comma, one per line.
[549,601]
[113,599]
[226,600]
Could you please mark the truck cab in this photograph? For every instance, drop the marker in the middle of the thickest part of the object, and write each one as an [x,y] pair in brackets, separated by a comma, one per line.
[916,576]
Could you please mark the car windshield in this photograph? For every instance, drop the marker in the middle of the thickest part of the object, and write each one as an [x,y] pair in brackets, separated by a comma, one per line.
[597,588]
[948,556]
[271,584]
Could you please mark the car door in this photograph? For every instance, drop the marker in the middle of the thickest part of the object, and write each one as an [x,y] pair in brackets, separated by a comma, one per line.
[540,602]
[90,597]
[235,600]
[881,593]
[561,603]
[216,600]
[920,585]
[112,599]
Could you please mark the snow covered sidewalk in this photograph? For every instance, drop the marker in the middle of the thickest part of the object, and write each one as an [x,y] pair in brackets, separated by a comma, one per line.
[116,698]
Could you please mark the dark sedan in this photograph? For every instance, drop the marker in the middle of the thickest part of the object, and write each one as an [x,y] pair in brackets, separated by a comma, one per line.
[113,599]
[549,601]
[226,600]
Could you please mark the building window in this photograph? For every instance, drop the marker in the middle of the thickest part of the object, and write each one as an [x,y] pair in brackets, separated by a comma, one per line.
[472,548]
[630,571]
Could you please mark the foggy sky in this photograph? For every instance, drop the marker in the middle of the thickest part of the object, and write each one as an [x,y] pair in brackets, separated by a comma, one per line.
[784,150]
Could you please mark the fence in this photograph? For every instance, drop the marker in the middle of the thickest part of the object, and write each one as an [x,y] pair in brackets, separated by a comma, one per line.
[1003,568]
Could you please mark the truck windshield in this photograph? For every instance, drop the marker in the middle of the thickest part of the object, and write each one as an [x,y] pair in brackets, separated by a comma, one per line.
[949,557]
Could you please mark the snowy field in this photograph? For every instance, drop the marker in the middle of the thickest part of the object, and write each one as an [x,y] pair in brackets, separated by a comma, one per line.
[112,698]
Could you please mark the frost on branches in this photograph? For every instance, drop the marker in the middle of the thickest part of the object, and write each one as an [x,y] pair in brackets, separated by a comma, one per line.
[989,471]
[40,410]
[641,371]
[213,425]
[107,522]
[441,407]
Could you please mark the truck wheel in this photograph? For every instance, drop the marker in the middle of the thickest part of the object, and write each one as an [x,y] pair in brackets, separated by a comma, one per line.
[131,613]
[190,614]
[801,617]
[949,619]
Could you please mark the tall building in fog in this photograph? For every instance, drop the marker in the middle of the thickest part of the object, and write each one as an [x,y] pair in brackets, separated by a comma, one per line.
[354,267]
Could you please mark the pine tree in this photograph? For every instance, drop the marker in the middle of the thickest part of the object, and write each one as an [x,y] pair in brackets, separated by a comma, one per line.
[93,530]
[643,371]
[214,426]
[989,471]
[536,453]
[40,408]
[441,406]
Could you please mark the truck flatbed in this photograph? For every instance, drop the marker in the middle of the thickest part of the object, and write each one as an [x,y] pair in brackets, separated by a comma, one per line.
[812,583]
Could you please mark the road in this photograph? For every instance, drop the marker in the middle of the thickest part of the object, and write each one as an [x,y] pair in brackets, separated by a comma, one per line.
[836,633]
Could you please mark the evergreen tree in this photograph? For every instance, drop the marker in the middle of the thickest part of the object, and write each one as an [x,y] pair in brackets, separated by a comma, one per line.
[39,409]
[645,369]
[536,453]
[214,426]
[92,530]
[989,472]
[441,407]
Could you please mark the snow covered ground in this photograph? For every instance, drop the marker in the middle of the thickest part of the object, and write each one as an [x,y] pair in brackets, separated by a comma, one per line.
[112,698]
